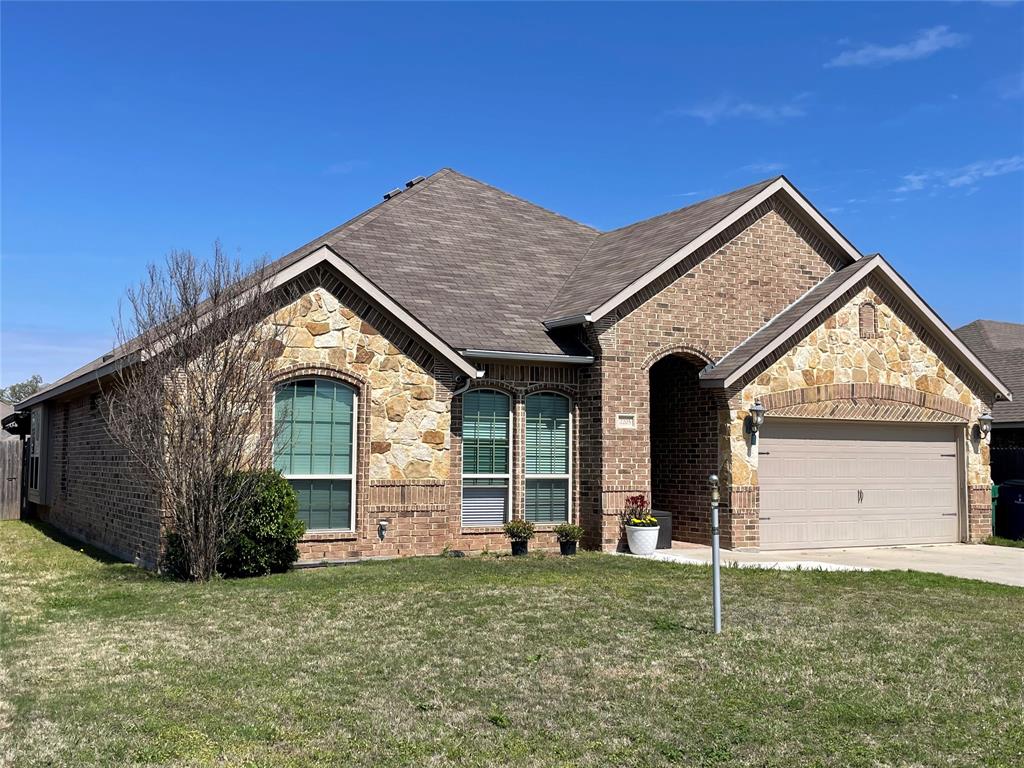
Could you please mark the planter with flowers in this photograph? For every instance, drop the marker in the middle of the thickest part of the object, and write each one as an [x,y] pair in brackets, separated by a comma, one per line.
[641,526]
[519,532]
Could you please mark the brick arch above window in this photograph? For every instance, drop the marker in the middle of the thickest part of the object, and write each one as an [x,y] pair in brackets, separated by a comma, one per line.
[361,387]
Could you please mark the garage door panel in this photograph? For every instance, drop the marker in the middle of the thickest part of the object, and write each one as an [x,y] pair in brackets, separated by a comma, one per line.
[830,484]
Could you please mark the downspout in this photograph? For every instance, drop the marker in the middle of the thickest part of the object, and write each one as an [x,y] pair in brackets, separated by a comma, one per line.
[466,381]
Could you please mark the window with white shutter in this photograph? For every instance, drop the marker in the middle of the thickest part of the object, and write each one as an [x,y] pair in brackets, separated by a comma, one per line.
[486,457]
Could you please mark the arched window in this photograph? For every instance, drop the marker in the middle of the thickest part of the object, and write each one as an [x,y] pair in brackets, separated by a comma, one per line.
[548,458]
[486,457]
[315,448]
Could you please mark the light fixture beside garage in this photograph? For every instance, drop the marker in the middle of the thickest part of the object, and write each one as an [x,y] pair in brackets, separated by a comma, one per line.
[984,426]
[756,418]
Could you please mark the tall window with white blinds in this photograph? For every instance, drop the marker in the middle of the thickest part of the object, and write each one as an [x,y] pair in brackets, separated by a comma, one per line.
[548,458]
[486,457]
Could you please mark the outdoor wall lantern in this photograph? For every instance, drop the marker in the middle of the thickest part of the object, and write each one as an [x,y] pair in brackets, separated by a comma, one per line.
[756,417]
[382,529]
[984,426]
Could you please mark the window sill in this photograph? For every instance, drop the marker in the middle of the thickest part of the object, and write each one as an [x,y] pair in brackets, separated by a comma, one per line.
[491,529]
[322,535]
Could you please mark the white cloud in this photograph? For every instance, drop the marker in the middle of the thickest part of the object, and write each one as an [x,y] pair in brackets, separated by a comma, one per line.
[763,167]
[927,43]
[1011,86]
[966,176]
[50,352]
[346,167]
[726,107]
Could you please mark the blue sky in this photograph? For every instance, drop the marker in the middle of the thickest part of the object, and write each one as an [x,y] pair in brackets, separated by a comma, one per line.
[129,130]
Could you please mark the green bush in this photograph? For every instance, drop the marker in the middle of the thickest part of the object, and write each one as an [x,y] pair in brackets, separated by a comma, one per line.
[265,541]
[569,532]
[174,563]
[519,530]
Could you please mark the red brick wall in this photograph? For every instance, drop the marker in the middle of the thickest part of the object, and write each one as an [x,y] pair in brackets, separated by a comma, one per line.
[979,513]
[702,308]
[95,492]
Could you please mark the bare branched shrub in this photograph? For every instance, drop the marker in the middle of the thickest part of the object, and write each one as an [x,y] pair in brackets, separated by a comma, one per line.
[188,405]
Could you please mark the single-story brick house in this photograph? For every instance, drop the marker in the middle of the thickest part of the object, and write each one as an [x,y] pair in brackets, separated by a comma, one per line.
[481,358]
[1000,346]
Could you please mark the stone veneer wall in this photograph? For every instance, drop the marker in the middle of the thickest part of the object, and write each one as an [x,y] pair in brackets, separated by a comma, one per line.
[94,490]
[700,310]
[896,371]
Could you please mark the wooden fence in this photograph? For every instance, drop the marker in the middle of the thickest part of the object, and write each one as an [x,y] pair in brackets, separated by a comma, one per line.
[10,480]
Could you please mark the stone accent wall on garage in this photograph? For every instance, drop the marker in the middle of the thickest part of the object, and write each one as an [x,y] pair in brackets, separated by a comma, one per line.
[699,310]
[844,367]
[95,492]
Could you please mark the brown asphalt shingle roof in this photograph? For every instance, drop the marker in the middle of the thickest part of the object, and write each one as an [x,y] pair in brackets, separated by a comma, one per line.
[484,269]
[474,264]
[619,257]
[1001,347]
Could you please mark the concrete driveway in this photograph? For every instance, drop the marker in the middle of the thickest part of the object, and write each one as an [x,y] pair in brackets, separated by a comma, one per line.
[1002,565]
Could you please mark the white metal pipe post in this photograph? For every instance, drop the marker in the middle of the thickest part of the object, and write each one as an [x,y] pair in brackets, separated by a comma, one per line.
[716,584]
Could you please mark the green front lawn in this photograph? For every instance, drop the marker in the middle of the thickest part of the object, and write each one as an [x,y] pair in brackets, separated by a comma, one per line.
[592,661]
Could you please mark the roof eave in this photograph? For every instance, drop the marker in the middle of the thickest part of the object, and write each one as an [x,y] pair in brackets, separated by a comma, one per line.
[563,322]
[529,357]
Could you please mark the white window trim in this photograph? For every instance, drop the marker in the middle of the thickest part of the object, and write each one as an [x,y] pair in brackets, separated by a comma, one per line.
[355,450]
[567,476]
[507,477]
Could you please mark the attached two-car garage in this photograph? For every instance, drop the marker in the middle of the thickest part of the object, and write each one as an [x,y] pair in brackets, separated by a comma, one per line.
[836,484]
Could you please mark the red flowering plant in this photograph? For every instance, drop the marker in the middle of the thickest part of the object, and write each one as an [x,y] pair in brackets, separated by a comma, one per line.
[638,512]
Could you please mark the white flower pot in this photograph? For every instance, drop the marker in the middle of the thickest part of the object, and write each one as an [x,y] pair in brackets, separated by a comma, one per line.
[643,540]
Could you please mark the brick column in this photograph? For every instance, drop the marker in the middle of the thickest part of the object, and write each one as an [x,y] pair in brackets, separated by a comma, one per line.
[979,513]
[741,526]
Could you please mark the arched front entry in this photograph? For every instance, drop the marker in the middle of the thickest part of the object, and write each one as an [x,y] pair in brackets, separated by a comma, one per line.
[683,444]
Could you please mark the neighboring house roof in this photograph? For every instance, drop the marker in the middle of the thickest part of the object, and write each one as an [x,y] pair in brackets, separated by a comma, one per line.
[5,411]
[1001,347]
[796,318]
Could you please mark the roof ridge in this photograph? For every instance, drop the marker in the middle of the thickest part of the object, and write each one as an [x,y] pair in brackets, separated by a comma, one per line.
[522,200]
[371,214]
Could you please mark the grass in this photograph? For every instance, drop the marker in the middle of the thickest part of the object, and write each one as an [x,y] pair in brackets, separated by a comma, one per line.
[999,541]
[541,661]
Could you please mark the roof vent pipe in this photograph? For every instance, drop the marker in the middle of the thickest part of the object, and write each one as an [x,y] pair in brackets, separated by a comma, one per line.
[413,182]
[393,193]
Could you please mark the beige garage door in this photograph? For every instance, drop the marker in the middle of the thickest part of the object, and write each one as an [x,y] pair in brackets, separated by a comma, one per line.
[838,484]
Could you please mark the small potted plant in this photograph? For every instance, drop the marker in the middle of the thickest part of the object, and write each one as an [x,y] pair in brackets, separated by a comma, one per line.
[568,536]
[520,532]
[641,526]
